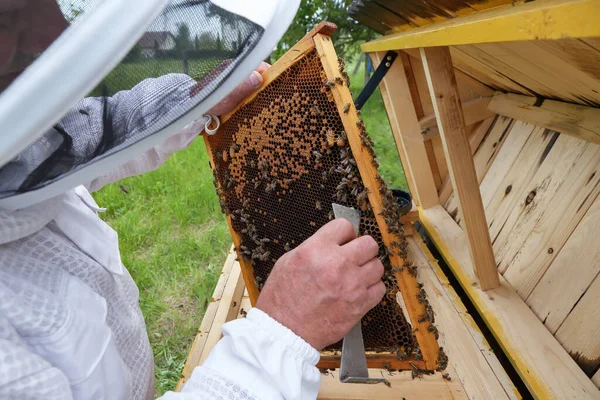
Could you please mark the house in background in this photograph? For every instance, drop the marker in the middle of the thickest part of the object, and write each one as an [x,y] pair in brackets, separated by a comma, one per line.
[153,41]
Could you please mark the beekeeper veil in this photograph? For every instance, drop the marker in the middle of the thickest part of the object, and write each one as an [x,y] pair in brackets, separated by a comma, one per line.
[65,64]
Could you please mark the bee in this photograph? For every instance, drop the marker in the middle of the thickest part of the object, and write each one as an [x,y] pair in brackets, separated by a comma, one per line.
[315,110]
[387,383]
[256,184]
[246,203]
[329,84]
[330,136]
[446,376]
[339,80]
[346,108]
[225,156]
[341,64]
[270,187]
[386,366]
[317,155]
[243,313]
[330,215]
[340,140]
[397,269]
[418,355]
[400,355]
[346,78]
[288,181]
[416,371]
[374,163]
[253,163]
[360,124]
[265,240]
[422,296]
[318,205]
[433,330]
[287,247]
[442,360]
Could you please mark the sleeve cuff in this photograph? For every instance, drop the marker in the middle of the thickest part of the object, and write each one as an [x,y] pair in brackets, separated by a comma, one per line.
[279,332]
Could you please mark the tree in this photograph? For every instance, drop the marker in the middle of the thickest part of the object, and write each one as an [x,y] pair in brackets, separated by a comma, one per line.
[183,41]
[347,38]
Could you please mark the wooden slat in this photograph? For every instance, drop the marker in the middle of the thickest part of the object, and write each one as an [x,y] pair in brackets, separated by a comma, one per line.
[545,198]
[227,310]
[504,200]
[570,19]
[553,219]
[545,367]
[407,133]
[444,95]
[576,265]
[484,153]
[473,111]
[575,120]
[457,331]
[596,378]
[580,332]
[406,282]
[195,353]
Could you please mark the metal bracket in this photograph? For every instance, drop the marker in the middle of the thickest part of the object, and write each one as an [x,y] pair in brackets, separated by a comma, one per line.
[374,81]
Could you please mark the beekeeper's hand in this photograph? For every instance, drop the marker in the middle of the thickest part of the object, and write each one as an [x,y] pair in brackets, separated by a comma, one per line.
[322,288]
[246,88]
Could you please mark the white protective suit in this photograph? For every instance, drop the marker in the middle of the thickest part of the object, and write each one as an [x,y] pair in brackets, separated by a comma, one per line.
[71,326]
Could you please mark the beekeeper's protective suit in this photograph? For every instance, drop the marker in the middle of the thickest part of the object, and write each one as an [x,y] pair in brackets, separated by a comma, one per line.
[70,323]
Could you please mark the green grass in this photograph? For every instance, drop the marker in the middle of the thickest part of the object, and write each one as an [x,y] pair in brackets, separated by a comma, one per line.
[174,239]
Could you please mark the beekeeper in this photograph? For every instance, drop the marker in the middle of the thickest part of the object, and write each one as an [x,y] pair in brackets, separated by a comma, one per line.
[70,323]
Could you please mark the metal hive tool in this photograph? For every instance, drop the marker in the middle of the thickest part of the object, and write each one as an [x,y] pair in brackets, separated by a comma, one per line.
[282,158]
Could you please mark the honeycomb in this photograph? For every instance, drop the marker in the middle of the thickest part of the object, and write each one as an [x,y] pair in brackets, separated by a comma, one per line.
[280,161]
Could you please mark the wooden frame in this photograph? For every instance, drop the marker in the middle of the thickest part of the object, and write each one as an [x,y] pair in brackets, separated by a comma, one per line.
[528,21]
[318,39]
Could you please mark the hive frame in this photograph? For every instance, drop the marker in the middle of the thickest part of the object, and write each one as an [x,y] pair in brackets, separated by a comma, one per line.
[319,39]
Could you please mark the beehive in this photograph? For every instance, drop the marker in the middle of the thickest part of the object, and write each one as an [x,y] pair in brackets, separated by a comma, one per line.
[283,157]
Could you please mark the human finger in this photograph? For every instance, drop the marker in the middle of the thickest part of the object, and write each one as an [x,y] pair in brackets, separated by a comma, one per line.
[374,295]
[371,272]
[362,249]
[246,88]
[338,231]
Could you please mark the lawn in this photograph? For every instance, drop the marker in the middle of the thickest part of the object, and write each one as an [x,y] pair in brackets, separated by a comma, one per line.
[174,239]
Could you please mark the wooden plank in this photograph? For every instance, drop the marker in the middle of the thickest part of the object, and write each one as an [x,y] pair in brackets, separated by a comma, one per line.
[398,103]
[579,333]
[570,19]
[226,311]
[402,386]
[195,353]
[406,282]
[545,367]
[503,201]
[596,378]
[457,330]
[546,193]
[576,265]
[575,120]
[444,95]
[553,217]
[440,157]
[473,111]
[485,143]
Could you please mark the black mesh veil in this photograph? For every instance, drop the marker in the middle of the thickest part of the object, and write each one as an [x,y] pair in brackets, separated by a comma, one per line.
[184,55]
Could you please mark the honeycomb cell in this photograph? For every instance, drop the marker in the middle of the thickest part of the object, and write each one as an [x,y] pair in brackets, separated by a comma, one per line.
[280,162]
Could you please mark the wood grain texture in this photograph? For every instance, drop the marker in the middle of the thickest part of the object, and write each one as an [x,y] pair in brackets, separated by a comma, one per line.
[553,219]
[467,351]
[195,354]
[570,273]
[529,21]
[484,152]
[474,111]
[546,193]
[579,333]
[406,282]
[438,67]
[545,367]
[407,134]
[575,120]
